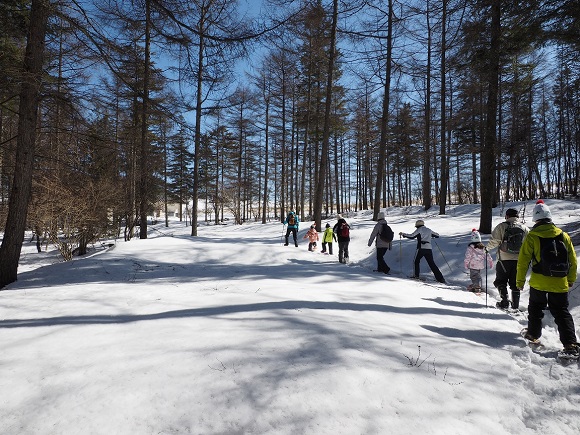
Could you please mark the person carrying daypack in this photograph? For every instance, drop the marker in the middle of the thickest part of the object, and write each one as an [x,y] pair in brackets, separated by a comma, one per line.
[424,249]
[327,237]
[507,237]
[383,234]
[553,259]
[342,231]
[293,223]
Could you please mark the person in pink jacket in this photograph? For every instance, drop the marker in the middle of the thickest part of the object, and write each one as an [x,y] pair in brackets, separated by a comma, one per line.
[475,258]
[312,236]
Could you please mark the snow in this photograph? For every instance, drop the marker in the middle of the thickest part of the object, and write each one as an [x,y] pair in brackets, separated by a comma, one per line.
[231,332]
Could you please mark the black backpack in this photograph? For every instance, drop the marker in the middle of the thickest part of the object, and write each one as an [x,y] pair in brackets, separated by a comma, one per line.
[386,234]
[512,239]
[553,259]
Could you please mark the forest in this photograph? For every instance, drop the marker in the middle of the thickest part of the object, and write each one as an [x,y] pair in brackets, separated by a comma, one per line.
[112,112]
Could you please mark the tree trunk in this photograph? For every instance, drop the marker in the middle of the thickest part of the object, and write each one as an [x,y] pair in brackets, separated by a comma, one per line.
[444,157]
[25,143]
[488,166]
[197,139]
[266,156]
[426,179]
[384,118]
[319,193]
[144,175]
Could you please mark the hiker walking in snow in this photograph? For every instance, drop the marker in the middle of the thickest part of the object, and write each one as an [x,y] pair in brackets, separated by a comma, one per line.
[293,222]
[507,237]
[553,259]
[424,249]
[342,231]
[312,236]
[327,238]
[475,259]
[383,234]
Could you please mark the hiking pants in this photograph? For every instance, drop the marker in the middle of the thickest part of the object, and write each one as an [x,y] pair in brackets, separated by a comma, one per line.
[329,247]
[382,265]
[475,276]
[505,273]
[428,254]
[343,251]
[557,303]
[294,234]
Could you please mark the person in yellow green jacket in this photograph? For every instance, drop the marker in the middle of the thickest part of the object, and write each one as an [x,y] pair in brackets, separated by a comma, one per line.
[327,239]
[550,279]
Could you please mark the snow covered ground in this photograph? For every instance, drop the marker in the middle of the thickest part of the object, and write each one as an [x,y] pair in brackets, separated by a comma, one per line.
[233,333]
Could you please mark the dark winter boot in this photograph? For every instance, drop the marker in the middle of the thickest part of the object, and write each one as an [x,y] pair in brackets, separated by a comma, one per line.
[504,303]
[572,350]
[516,299]
[286,244]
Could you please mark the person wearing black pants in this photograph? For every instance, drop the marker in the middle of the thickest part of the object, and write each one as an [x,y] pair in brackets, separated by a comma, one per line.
[424,249]
[382,246]
[549,282]
[558,306]
[506,262]
[342,231]
[293,224]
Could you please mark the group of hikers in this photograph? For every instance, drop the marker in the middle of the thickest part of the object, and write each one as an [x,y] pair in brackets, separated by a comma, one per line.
[545,247]
[339,233]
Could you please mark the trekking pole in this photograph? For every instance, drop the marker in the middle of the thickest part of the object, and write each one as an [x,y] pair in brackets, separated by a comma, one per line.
[400,254]
[458,240]
[436,244]
[486,254]
[282,235]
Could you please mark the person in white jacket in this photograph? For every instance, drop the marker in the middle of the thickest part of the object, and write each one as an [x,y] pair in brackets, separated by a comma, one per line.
[475,259]
[424,248]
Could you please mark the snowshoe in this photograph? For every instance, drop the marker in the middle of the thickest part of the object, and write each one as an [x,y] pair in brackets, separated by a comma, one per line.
[532,341]
[570,353]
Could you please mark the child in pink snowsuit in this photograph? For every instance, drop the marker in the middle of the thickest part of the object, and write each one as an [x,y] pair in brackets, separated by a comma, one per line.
[475,258]
[312,237]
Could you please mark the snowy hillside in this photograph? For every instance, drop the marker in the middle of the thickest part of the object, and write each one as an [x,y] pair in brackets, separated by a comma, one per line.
[233,333]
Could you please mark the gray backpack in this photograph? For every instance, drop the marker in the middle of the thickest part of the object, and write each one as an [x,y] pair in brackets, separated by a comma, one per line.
[512,239]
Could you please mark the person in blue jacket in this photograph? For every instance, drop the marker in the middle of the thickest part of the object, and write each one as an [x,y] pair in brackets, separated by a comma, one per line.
[293,223]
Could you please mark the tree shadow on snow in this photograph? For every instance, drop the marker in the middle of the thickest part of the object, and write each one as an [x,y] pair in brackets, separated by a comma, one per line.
[496,339]
[289,305]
